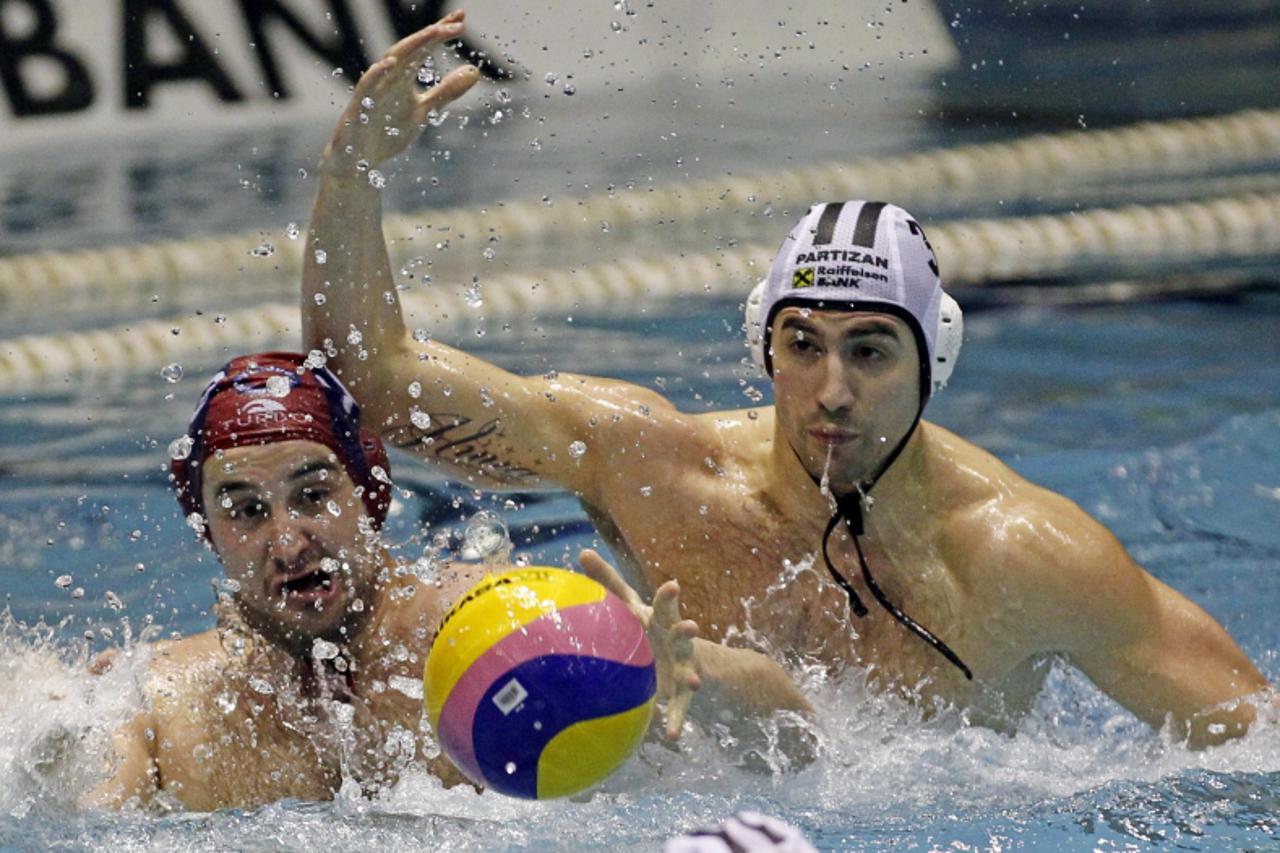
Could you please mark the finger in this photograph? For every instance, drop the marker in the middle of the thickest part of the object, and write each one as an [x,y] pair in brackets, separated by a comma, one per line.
[448,27]
[454,85]
[686,629]
[676,710]
[666,604]
[599,570]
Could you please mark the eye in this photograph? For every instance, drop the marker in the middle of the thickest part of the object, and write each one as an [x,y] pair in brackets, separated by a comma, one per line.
[800,345]
[867,352]
[310,497]
[249,510]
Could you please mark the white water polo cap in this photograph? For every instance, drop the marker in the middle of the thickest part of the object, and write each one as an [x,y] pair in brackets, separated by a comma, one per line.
[861,256]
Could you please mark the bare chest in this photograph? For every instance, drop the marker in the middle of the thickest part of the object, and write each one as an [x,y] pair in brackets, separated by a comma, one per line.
[250,746]
[751,572]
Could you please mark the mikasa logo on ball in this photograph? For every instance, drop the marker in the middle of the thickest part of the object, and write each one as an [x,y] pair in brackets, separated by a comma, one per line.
[510,696]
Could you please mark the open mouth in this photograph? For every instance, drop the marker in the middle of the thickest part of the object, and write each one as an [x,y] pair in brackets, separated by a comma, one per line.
[313,585]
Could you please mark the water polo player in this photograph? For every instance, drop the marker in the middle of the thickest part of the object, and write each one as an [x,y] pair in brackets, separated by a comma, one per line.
[302,684]
[941,571]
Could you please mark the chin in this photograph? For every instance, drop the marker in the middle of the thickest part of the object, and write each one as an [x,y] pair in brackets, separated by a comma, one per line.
[295,632]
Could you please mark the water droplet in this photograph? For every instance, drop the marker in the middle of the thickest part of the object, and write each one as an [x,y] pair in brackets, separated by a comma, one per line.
[604,227]
[419,418]
[615,26]
[473,297]
[377,180]
[292,231]
[411,687]
[278,386]
[485,537]
[646,491]
[263,250]
[322,649]
[578,449]
[415,389]
[78,592]
[354,337]
[226,701]
[180,447]
[113,601]
[261,685]
[570,89]
[427,73]
[502,96]
[63,581]
[551,78]
[333,508]
[172,372]
[510,767]
[315,360]
[322,257]
[489,253]
[320,298]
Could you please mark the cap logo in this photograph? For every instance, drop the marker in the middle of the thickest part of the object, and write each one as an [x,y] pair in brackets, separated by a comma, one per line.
[802,277]
[263,406]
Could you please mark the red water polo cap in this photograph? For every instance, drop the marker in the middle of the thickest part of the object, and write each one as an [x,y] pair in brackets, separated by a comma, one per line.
[282,396]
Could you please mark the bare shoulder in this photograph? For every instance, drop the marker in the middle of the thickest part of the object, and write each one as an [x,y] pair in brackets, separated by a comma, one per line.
[417,606]
[1038,550]
[182,668]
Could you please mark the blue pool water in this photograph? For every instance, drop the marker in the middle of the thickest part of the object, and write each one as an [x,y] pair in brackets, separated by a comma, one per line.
[1161,419]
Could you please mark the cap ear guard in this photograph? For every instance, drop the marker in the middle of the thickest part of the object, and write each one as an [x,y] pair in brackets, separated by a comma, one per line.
[946,341]
[754,312]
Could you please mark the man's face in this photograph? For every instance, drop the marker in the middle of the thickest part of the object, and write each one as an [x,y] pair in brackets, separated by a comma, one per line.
[303,571]
[846,387]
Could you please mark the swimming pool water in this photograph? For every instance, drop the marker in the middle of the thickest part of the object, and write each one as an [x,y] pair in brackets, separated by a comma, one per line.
[1161,419]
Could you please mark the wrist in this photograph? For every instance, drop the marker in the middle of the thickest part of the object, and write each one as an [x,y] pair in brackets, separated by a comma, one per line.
[344,168]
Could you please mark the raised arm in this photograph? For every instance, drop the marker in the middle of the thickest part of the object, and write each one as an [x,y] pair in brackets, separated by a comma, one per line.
[488,425]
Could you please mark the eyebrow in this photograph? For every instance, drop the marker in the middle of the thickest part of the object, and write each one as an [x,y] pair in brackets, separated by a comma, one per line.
[313,467]
[867,326]
[309,468]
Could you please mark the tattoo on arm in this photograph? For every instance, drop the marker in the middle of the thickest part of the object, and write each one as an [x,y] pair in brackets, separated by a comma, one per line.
[457,440]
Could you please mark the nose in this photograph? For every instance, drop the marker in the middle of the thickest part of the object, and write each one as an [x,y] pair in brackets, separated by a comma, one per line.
[288,538]
[835,391]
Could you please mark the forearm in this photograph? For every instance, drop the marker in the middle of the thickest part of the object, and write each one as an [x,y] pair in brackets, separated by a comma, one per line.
[347,282]
[750,679]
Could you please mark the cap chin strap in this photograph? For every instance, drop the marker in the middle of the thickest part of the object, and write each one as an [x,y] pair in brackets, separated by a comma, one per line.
[849,508]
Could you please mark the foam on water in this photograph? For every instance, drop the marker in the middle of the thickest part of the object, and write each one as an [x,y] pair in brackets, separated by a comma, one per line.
[870,768]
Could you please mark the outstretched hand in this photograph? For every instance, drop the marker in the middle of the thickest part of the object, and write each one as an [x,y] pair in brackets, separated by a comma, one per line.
[389,106]
[670,637]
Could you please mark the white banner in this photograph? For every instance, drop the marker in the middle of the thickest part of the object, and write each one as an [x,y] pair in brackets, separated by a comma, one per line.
[67,66]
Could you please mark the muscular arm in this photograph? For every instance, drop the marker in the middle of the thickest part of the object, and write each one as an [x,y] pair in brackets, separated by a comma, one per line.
[1144,644]
[489,425]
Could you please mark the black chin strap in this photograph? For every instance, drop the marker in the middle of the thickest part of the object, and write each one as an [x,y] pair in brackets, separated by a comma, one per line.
[849,508]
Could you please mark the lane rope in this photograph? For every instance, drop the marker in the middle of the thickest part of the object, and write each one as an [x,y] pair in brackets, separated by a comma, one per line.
[1055,164]
[1125,242]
